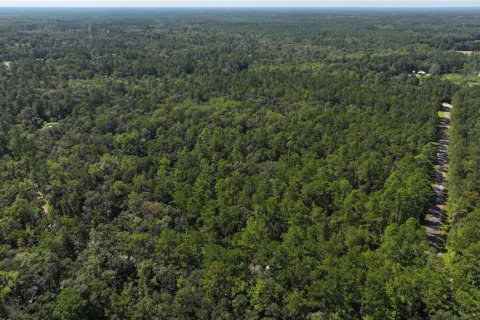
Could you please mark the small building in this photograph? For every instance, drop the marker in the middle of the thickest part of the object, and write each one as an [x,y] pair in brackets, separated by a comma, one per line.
[421,72]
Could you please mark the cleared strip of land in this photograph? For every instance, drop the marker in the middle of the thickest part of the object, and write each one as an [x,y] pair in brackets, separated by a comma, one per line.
[436,216]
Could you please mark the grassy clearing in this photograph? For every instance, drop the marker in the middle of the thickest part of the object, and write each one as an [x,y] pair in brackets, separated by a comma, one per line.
[452,77]
[49,125]
[461,79]
[422,76]
[441,114]
[447,258]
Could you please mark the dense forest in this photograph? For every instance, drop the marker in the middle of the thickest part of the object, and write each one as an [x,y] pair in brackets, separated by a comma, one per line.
[236,164]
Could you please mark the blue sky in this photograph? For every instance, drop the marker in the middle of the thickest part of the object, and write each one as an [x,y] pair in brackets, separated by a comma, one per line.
[238,3]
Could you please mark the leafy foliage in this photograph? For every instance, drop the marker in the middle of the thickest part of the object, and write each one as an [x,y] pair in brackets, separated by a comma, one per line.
[179,165]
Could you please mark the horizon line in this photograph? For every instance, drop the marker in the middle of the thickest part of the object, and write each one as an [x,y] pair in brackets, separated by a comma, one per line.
[245,7]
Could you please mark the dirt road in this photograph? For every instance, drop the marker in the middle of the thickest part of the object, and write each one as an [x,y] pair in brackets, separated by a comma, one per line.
[435,218]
